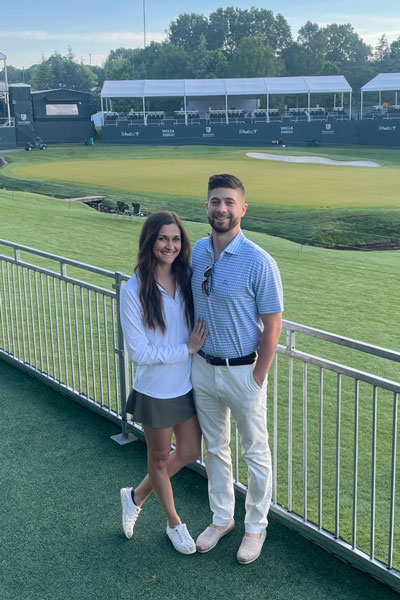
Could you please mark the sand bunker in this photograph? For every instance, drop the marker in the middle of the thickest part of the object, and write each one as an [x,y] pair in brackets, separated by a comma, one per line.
[313,159]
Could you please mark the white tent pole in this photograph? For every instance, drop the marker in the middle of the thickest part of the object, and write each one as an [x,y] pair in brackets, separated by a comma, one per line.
[341,106]
[184,106]
[7,93]
[395,98]
[309,106]
[350,108]
[267,108]
[101,101]
[334,100]
[111,108]
[362,98]
[226,108]
[144,111]
[380,97]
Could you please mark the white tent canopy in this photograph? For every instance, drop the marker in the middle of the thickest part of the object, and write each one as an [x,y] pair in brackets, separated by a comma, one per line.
[151,88]
[384,82]
[243,87]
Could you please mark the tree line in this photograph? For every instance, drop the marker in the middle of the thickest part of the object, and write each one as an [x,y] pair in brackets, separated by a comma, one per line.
[230,42]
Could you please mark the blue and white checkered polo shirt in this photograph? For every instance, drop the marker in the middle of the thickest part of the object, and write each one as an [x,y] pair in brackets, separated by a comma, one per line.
[245,283]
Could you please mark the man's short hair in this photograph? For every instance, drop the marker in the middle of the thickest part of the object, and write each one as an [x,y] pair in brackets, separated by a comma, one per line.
[224,180]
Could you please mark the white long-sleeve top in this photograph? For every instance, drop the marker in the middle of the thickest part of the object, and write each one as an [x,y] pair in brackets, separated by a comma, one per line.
[162,359]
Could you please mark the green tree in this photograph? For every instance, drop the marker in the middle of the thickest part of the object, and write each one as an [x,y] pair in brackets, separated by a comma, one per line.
[381,51]
[344,45]
[16,75]
[282,32]
[218,64]
[393,65]
[227,27]
[187,30]
[42,76]
[312,37]
[300,60]
[200,60]
[164,61]
[253,58]
[62,72]
[119,69]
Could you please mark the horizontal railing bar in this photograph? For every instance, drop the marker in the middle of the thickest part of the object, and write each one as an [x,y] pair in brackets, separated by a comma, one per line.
[387,384]
[343,341]
[60,259]
[79,282]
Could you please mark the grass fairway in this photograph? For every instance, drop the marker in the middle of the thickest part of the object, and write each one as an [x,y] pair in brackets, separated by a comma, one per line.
[314,204]
[267,182]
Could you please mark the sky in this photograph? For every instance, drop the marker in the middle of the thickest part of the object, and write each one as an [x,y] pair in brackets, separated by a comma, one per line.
[30,30]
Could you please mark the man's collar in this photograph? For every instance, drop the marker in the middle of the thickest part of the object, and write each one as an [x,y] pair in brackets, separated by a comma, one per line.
[232,248]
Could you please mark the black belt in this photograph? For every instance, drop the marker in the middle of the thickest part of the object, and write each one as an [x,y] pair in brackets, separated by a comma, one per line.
[220,362]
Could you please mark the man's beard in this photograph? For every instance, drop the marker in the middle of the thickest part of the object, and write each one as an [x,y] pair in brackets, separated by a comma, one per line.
[230,224]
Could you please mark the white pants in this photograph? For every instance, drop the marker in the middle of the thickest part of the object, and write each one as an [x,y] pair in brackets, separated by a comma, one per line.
[220,391]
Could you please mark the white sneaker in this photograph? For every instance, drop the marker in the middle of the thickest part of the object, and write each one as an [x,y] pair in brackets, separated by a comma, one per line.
[181,539]
[130,512]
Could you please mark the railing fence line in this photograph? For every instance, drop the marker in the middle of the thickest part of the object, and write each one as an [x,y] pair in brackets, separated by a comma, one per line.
[330,421]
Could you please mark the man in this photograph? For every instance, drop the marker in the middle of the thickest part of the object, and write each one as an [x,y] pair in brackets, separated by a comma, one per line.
[238,293]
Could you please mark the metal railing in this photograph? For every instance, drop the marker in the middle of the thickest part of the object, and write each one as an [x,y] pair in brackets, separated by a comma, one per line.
[333,426]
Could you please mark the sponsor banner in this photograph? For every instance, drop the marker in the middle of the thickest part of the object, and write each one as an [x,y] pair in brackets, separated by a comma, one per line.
[263,134]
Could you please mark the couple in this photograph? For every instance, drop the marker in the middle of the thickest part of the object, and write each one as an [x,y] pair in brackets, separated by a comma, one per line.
[237,295]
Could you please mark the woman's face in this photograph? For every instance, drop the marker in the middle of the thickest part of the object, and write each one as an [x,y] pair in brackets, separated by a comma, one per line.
[168,244]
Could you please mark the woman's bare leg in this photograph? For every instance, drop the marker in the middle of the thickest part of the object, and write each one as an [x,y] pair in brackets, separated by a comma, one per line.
[188,443]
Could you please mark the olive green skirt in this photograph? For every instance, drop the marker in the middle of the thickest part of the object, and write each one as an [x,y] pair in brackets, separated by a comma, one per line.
[160,412]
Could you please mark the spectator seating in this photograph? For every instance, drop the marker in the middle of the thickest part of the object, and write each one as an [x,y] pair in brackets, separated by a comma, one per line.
[236,115]
[111,118]
[155,117]
[193,117]
[296,114]
[338,113]
[216,116]
[393,112]
[318,114]
[136,117]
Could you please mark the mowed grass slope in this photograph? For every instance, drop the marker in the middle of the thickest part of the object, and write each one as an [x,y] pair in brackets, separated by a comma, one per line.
[351,293]
[312,204]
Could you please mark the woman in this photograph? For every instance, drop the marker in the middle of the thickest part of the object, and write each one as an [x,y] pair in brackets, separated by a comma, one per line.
[156,317]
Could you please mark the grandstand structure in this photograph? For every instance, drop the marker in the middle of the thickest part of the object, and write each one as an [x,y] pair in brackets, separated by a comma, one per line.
[256,111]
[384,82]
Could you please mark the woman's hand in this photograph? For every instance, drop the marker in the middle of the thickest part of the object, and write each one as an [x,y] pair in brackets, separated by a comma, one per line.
[198,336]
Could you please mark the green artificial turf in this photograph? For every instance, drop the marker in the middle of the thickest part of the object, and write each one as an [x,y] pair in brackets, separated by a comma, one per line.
[61,534]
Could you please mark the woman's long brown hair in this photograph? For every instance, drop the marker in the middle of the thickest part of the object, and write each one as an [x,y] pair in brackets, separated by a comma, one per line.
[150,295]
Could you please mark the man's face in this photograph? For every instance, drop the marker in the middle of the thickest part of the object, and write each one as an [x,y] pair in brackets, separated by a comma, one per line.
[225,209]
